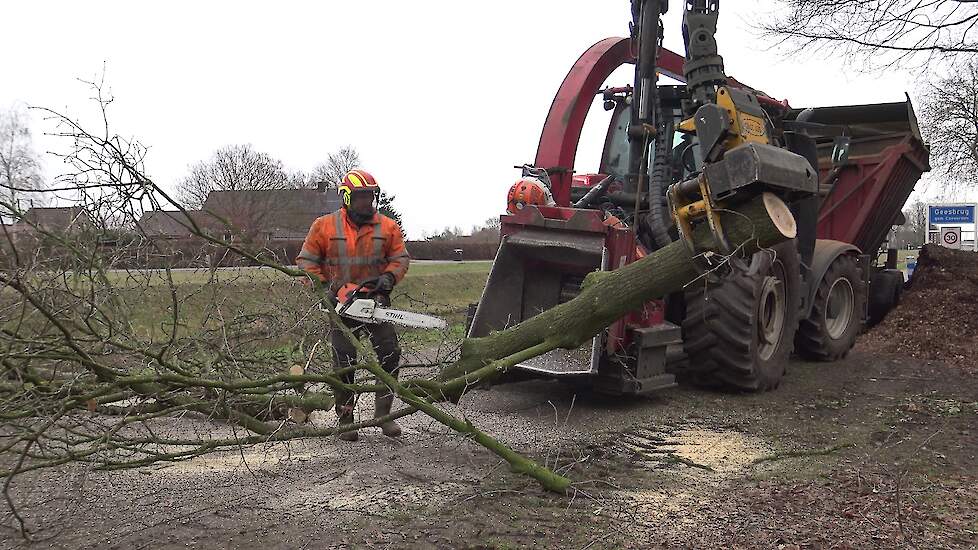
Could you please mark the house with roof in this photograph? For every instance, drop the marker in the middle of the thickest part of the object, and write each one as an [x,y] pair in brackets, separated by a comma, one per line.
[247,215]
[56,219]
[69,220]
[169,224]
[268,214]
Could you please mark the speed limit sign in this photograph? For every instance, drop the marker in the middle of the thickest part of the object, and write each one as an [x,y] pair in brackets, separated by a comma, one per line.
[951,237]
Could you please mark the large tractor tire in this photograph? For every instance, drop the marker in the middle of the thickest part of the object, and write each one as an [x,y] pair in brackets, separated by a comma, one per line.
[884,294]
[831,328]
[738,333]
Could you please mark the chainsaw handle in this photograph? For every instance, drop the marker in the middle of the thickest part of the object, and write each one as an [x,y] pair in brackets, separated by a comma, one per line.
[369,288]
[373,291]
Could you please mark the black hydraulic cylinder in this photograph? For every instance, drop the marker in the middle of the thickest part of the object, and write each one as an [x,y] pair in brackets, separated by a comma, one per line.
[704,65]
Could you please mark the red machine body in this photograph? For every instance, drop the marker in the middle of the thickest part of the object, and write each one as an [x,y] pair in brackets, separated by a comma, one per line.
[565,121]
[863,196]
[548,250]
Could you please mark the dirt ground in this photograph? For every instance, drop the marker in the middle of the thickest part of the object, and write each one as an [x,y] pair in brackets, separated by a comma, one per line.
[886,458]
[874,451]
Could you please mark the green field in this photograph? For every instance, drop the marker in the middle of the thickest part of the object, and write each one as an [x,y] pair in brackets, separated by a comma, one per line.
[444,290]
[201,276]
[209,302]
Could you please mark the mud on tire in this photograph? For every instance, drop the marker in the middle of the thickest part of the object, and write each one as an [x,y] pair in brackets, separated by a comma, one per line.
[831,328]
[739,332]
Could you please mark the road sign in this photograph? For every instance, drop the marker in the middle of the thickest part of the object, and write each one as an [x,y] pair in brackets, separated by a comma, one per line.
[941,214]
[953,225]
[951,237]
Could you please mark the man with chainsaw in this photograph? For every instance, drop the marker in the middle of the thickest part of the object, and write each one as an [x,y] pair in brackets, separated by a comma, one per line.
[356,244]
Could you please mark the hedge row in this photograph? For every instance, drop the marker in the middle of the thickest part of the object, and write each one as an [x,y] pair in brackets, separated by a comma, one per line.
[445,250]
[194,253]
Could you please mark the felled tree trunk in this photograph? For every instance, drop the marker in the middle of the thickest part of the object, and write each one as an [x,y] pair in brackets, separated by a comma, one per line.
[607,296]
[604,298]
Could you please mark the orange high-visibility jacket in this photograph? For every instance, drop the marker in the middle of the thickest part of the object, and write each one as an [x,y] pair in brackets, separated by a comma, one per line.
[339,252]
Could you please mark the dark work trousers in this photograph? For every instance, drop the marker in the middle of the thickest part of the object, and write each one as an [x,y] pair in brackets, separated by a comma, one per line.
[384,341]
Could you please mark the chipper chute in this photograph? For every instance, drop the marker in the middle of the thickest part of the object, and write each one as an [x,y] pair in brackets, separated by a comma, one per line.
[544,256]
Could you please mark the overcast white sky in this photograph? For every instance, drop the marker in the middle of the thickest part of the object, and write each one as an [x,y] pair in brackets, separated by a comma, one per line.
[442,98]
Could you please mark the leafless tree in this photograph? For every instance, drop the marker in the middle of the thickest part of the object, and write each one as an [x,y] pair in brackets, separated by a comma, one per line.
[950,109]
[336,166]
[234,168]
[881,33]
[487,232]
[20,169]
[914,231]
[916,215]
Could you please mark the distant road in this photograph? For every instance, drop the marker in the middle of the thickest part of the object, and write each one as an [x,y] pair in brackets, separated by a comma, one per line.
[203,269]
[435,262]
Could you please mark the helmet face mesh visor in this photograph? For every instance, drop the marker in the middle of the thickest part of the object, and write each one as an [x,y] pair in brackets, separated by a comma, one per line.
[356,180]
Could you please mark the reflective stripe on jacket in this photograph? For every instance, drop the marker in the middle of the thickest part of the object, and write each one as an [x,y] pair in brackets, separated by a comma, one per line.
[337,251]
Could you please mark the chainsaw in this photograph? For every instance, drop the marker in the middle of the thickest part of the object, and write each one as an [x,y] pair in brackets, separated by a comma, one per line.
[364,303]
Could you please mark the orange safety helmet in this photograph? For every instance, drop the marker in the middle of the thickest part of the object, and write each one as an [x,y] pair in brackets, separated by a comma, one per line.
[528,190]
[357,180]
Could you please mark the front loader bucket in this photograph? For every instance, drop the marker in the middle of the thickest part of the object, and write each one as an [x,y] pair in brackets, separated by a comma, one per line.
[541,263]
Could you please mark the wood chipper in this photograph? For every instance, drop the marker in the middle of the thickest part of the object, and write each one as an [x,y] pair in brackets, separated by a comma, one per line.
[674,156]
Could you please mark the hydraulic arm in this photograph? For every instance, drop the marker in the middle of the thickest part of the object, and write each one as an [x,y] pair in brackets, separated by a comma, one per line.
[704,66]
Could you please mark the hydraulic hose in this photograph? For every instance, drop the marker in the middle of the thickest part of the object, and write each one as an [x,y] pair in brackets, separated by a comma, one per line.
[598,191]
[660,178]
[646,113]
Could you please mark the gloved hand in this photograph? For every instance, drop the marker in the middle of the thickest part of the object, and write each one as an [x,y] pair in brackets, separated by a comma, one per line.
[385,283]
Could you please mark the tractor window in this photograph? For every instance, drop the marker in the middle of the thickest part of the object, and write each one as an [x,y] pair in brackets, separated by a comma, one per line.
[686,153]
[614,159]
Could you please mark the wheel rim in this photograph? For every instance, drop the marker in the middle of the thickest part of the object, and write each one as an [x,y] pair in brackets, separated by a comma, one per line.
[771,316]
[838,308]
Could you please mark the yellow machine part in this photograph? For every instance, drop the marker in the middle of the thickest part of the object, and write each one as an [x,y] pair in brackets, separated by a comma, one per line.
[744,127]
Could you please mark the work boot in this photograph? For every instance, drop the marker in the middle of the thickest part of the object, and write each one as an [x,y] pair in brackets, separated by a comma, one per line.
[345,420]
[382,408]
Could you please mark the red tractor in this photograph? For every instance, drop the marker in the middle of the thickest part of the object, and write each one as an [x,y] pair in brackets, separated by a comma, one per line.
[672,155]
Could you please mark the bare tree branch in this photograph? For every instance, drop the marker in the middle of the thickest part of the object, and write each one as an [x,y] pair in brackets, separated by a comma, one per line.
[336,166]
[950,109]
[234,168]
[20,168]
[880,33]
